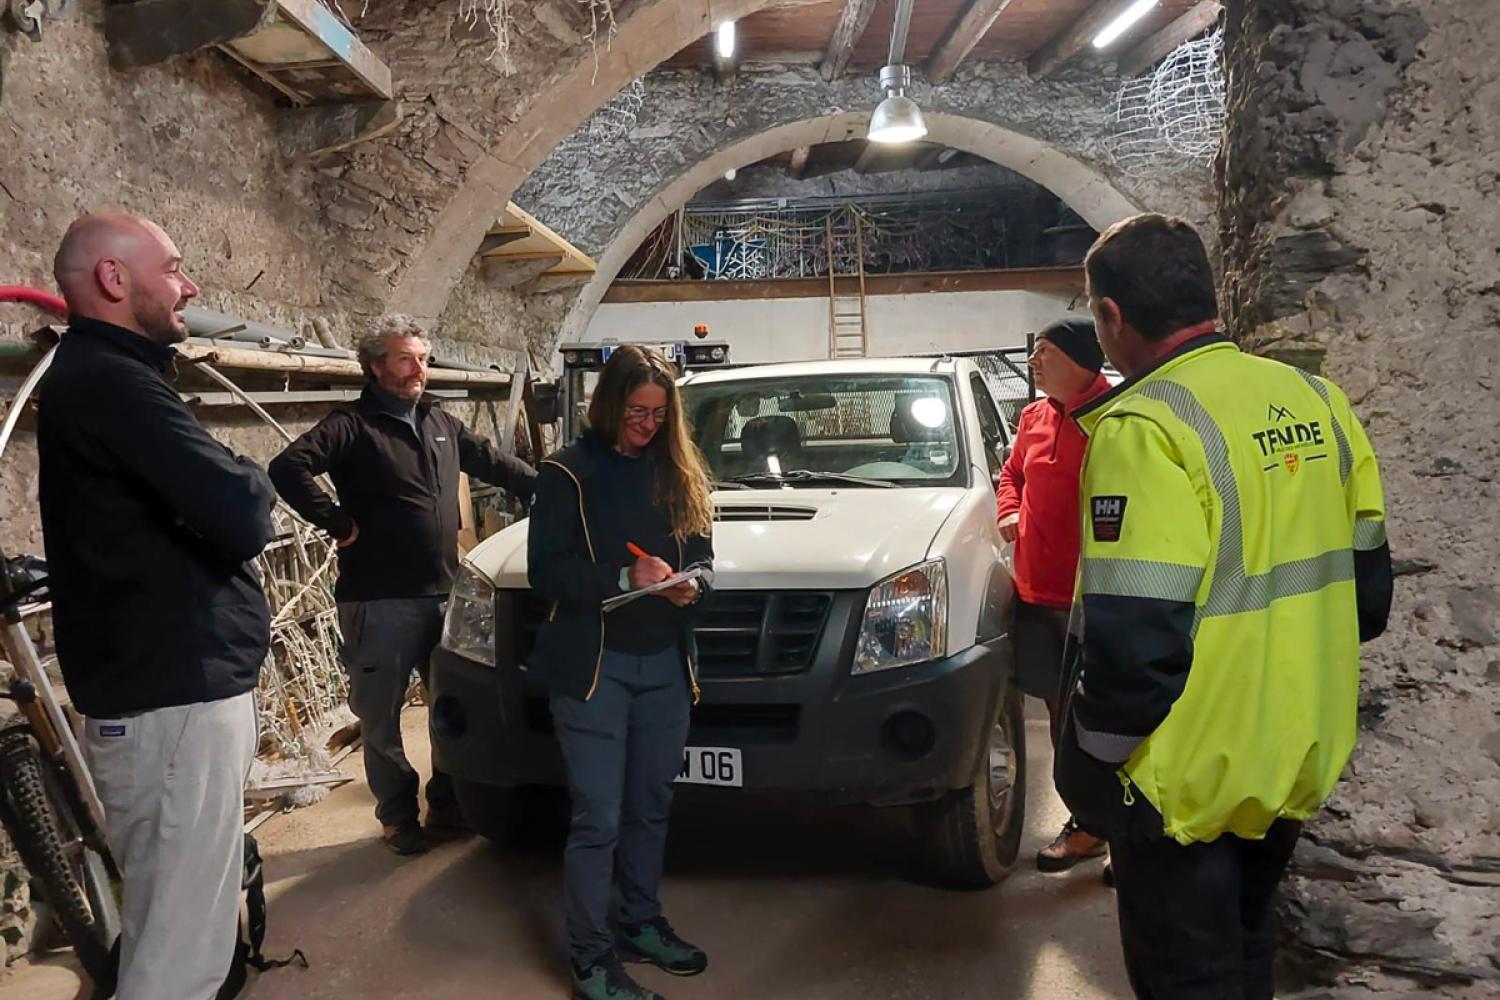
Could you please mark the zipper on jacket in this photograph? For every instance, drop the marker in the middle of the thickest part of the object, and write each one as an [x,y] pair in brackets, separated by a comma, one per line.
[686,653]
[589,541]
[1125,782]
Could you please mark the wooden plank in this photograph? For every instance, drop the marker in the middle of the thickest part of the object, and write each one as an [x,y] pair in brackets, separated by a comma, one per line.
[1156,48]
[254,360]
[497,238]
[317,20]
[798,165]
[970,28]
[576,260]
[467,536]
[1075,37]
[846,35]
[1052,280]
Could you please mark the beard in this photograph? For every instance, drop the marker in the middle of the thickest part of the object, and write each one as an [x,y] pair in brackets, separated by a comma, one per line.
[157,321]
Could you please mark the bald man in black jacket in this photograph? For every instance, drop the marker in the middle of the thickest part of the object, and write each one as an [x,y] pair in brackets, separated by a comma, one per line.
[151,527]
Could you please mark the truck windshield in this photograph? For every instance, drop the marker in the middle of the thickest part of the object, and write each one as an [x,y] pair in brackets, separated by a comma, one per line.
[897,429]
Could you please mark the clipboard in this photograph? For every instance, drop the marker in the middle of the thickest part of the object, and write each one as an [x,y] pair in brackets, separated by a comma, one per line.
[667,584]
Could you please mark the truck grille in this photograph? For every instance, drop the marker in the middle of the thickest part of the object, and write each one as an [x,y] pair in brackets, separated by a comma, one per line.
[749,633]
[741,633]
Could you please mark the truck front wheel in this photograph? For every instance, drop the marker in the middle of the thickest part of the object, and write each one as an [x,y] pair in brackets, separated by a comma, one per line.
[972,836]
[525,817]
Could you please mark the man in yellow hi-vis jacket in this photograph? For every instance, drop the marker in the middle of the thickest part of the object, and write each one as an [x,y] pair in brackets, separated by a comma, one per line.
[1234,557]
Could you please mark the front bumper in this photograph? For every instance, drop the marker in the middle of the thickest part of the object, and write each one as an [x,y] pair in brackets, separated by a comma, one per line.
[899,736]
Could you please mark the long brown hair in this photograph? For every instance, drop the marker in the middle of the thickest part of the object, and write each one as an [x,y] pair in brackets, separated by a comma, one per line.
[681,475]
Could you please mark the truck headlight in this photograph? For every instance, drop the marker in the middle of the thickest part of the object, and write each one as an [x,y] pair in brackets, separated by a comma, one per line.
[469,625]
[906,620]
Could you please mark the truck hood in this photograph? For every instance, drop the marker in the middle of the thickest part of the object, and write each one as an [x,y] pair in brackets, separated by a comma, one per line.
[835,539]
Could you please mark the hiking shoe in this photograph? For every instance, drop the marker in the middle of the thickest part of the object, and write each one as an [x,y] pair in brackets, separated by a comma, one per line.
[656,943]
[1068,848]
[606,979]
[404,840]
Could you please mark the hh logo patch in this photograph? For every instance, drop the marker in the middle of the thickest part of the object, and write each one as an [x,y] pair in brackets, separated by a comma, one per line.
[115,730]
[1108,516]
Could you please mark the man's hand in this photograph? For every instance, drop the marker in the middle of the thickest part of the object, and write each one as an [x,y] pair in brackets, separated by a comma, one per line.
[1009,530]
[683,594]
[344,543]
[648,570]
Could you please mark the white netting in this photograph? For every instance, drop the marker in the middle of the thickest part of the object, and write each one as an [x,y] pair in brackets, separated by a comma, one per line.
[1174,114]
[608,125]
[499,17]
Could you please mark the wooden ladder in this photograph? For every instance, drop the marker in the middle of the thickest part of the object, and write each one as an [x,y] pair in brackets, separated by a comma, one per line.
[848,332]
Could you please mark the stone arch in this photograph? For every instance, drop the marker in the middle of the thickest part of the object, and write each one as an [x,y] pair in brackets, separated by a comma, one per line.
[1081,186]
[651,33]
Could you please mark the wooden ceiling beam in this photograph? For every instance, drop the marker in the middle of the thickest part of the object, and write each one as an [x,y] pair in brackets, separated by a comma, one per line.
[801,157]
[1071,40]
[846,34]
[1156,48]
[965,33]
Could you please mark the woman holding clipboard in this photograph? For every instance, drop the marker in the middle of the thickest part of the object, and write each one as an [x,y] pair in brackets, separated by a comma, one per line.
[623,509]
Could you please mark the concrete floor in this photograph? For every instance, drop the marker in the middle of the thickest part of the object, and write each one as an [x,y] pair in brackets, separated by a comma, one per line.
[792,901]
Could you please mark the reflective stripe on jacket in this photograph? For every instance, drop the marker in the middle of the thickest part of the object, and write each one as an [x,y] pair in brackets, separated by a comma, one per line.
[1234,557]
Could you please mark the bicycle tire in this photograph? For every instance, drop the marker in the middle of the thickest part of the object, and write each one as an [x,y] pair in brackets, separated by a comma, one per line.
[40,832]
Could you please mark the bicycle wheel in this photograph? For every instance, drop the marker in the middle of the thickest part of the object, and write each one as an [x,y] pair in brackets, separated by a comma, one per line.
[50,847]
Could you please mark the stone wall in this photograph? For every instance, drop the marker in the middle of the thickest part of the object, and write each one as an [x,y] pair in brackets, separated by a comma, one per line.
[1360,236]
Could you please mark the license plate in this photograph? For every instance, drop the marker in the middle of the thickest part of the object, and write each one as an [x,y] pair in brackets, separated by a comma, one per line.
[711,766]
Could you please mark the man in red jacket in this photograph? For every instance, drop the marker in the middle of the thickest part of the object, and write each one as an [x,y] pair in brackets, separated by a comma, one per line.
[1038,511]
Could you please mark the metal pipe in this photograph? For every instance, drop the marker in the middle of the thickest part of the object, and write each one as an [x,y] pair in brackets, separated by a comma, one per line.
[898,31]
[255,407]
[207,323]
[324,332]
[18,405]
[462,366]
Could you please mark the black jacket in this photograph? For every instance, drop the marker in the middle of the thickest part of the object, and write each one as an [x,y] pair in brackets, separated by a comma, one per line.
[400,490]
[150,525]
[566,568]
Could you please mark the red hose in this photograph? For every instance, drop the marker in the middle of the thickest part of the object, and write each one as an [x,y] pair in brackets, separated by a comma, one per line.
[45,301]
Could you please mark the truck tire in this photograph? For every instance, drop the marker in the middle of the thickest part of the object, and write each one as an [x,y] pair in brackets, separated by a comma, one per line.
[47,840]
[524,817]
[972,836]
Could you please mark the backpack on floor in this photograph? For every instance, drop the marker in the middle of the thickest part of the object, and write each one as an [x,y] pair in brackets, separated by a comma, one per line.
[252,933]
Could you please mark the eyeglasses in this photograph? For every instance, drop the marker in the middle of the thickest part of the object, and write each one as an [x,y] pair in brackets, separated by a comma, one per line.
[640,413]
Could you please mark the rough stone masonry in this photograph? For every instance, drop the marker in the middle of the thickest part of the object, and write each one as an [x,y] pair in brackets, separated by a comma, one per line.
[1356,210]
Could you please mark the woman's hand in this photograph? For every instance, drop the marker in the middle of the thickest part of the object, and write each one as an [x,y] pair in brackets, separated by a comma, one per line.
[648,570]
[683,594]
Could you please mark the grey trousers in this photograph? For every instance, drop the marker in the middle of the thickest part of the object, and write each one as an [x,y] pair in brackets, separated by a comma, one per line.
[384,641]
[623,749]
[172,782]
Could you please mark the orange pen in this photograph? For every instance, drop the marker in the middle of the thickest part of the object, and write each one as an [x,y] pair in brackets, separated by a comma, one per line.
[637,551]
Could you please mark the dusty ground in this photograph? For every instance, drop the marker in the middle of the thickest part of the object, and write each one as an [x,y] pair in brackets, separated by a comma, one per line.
[792,902]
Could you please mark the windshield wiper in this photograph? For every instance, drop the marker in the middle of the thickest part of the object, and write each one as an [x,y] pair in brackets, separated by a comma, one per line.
[729,484]
[808,476]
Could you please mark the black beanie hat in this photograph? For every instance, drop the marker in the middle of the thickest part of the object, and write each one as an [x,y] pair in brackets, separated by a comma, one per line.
[1076,339]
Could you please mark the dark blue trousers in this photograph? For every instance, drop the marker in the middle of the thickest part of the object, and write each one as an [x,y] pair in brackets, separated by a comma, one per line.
[623,749]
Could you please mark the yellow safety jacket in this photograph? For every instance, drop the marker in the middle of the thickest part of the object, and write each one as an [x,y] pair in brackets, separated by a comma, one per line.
[1234,557]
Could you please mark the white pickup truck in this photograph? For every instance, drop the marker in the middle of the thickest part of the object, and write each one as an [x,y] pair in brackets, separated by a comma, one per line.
[855,646]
